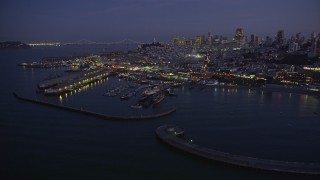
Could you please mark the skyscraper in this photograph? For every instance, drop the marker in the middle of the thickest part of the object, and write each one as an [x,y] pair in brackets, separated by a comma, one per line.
[280,37]
[199,41]
[254,40]
[268,41]
[239,38]
[209,39]
[239,32]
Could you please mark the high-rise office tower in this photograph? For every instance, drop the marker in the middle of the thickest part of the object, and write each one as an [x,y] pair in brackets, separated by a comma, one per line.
[199,41]
[239,38]
[252,38]
[209,39]
[239,32]
[268,41]
[280,37]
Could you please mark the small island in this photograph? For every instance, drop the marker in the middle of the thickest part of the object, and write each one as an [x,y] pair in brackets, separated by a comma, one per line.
[13,45]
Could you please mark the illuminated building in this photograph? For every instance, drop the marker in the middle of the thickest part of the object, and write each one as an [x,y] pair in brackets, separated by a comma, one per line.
[224,40]
[206,62]
[216,39]
[188,42]
[239,38]
[199,41]
[315,43]
[177,41]
[182,42]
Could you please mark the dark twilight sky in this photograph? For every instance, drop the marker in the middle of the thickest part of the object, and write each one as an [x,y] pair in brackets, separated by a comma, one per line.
[142,20]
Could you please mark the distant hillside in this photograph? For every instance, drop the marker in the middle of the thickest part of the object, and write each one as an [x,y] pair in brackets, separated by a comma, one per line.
[13,45]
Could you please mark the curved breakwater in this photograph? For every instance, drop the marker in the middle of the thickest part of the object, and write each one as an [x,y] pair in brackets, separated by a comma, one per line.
[105,116]
[172,136]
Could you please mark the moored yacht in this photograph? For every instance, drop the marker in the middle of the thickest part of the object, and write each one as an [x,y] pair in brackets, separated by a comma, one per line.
[151,91]
[158,98]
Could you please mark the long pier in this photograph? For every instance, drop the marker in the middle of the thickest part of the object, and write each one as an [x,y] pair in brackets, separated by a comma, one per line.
[173,136]
[105,116]
[63,84]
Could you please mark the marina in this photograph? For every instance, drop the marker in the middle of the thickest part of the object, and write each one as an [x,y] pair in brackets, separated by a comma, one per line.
[226,117]
[160,90]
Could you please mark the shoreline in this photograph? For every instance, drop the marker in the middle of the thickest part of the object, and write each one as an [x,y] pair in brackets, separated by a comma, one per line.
[278,90]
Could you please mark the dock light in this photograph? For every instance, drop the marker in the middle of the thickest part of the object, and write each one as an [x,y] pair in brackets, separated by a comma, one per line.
[191,140]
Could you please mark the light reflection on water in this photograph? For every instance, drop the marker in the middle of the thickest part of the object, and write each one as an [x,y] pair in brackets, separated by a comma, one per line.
[309,104]
[63,98]
[221,118]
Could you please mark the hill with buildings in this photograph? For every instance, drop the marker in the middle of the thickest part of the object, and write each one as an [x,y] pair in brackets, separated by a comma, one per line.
[13,45]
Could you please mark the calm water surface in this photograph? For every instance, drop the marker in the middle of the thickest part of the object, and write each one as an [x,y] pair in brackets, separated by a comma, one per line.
[39,142]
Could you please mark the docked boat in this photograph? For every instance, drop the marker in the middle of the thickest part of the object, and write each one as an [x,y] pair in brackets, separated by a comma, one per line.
[151,91]
[158,98]
[177,84]
[124,97]
[127,96]
[114,92]
[111,93]
[144,82]
[212,83]
[170,92]
[146,101]
[136,106]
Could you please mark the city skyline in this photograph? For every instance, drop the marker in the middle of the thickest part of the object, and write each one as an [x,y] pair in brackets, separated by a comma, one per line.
[36,21]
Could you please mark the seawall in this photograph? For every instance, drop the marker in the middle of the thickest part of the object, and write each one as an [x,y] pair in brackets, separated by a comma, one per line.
[168,134]
[105,116]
